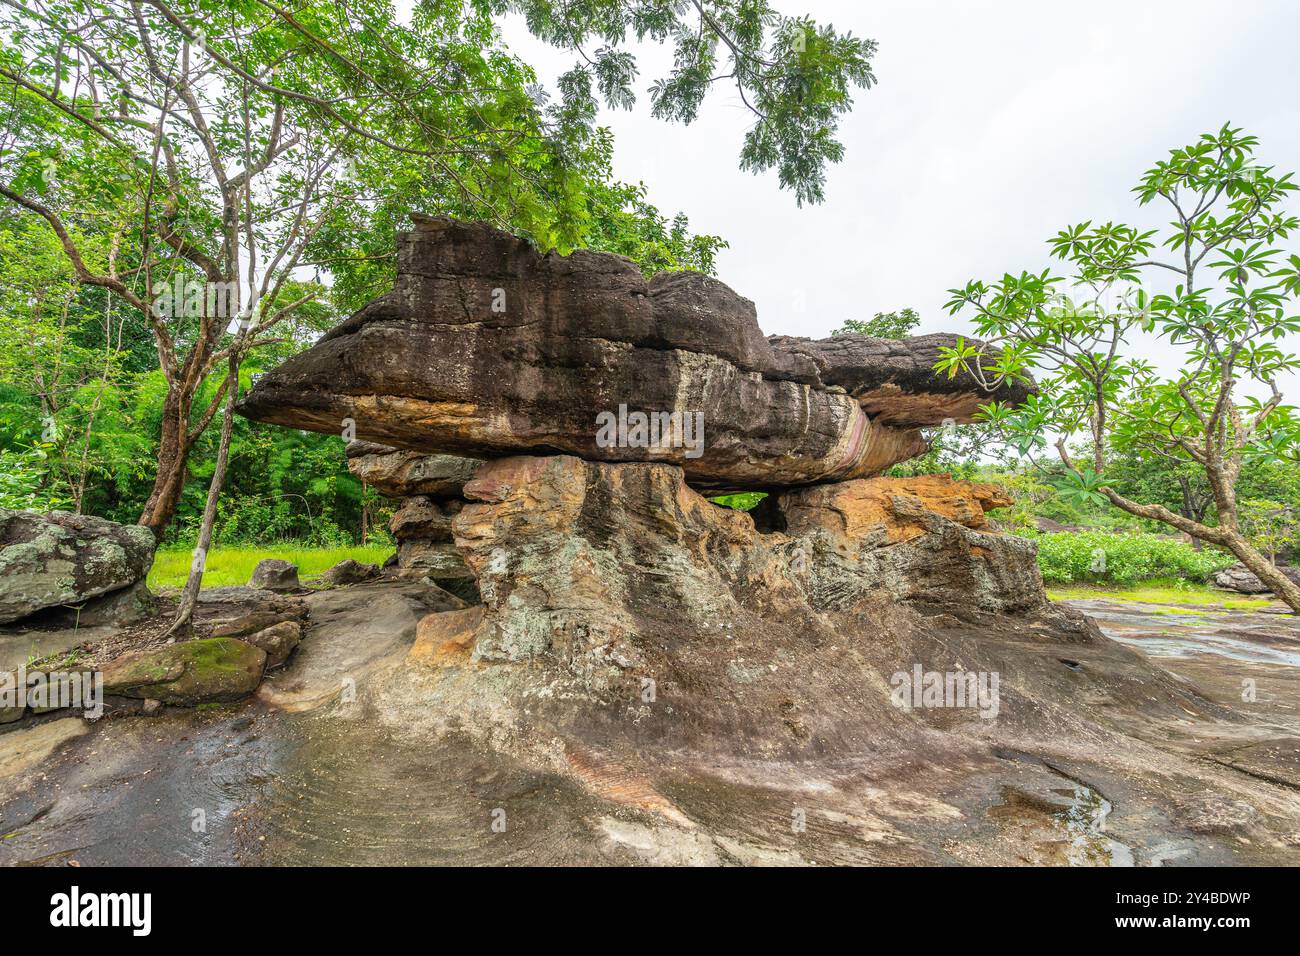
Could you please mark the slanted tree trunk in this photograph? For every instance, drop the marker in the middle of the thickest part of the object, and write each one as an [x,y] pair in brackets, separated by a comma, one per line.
[190,596]
[173,463]
[1264,569]
[1225,536]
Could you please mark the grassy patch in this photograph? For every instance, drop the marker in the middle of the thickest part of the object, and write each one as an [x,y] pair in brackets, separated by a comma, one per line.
[228,566]
[1123,560]
[1161,592]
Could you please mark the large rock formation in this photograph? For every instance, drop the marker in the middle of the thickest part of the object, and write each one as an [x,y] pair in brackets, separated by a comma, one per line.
[627,615]
[487,348]
[58,559]
[575,558]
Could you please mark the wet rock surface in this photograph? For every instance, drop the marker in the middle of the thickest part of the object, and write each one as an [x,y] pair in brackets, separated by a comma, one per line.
[394,776]
[440,760]
[488,348]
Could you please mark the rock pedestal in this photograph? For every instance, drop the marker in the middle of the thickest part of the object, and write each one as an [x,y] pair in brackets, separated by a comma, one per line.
[582,556]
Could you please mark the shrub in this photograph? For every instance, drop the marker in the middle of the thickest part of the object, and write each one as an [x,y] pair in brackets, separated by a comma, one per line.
[1066,557]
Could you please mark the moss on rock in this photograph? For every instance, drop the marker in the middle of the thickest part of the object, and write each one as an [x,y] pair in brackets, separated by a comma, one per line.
[192,672]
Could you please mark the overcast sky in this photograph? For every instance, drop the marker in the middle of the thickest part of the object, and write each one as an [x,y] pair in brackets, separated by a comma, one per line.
[992,126]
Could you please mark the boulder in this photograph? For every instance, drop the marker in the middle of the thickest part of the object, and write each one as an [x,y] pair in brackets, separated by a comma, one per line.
[398,473]
[275,574]
[348,572]
[1238,578]
[190,672]
[278,641]
[488,348]
[49,560]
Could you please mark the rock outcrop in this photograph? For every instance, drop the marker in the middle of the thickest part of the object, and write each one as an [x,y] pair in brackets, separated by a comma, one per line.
[624,611]
[57,559]
[577,555]
[399,474]
[487,348]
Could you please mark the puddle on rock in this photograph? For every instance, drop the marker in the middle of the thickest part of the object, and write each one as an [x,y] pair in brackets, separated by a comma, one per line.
[1065,826]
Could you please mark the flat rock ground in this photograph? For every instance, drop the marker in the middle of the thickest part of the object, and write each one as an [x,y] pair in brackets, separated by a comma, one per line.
[348,756]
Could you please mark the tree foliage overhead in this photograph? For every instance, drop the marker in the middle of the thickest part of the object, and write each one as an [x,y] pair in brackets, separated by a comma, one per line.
[273,147]
[883,325]
[795,76]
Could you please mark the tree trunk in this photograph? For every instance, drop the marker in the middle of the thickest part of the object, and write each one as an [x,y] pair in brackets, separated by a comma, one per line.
[365,514]
[190,596]
[1282,586]
[173,465]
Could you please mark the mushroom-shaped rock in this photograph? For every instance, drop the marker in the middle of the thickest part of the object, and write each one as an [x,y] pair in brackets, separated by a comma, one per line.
[488,348]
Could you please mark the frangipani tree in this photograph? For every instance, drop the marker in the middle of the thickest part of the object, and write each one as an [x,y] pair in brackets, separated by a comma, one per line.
[1216,286]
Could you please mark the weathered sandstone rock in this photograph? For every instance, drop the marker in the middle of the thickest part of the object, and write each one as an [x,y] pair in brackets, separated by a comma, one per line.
[924,540]
[268,610]
[47,560]
[485,348]
[574,554]
[278,641]
[446,636]
[275,574]
[422,517]
[190,672]
[398,473]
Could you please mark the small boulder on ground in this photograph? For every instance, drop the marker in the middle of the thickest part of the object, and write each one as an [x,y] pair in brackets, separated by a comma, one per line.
[275,574]
[278,641]
[191,672]
[1238,578]
[47,560]
[348,571]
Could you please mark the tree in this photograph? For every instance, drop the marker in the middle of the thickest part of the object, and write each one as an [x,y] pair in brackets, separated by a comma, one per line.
[1222,408]
[883,325]
[795,76]
[223,149]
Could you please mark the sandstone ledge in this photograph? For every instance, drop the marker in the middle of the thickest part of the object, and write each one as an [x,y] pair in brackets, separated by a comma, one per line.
[487,348]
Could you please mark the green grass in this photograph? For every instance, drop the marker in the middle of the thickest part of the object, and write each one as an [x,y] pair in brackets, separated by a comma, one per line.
[1172,592]
[235,565]
[1121,560]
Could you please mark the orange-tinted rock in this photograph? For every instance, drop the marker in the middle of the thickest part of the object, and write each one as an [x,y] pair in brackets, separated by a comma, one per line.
[894,507]
[577,558]
[446,637]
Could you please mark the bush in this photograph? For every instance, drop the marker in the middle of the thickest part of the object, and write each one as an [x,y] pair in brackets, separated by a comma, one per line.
[1066,557]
